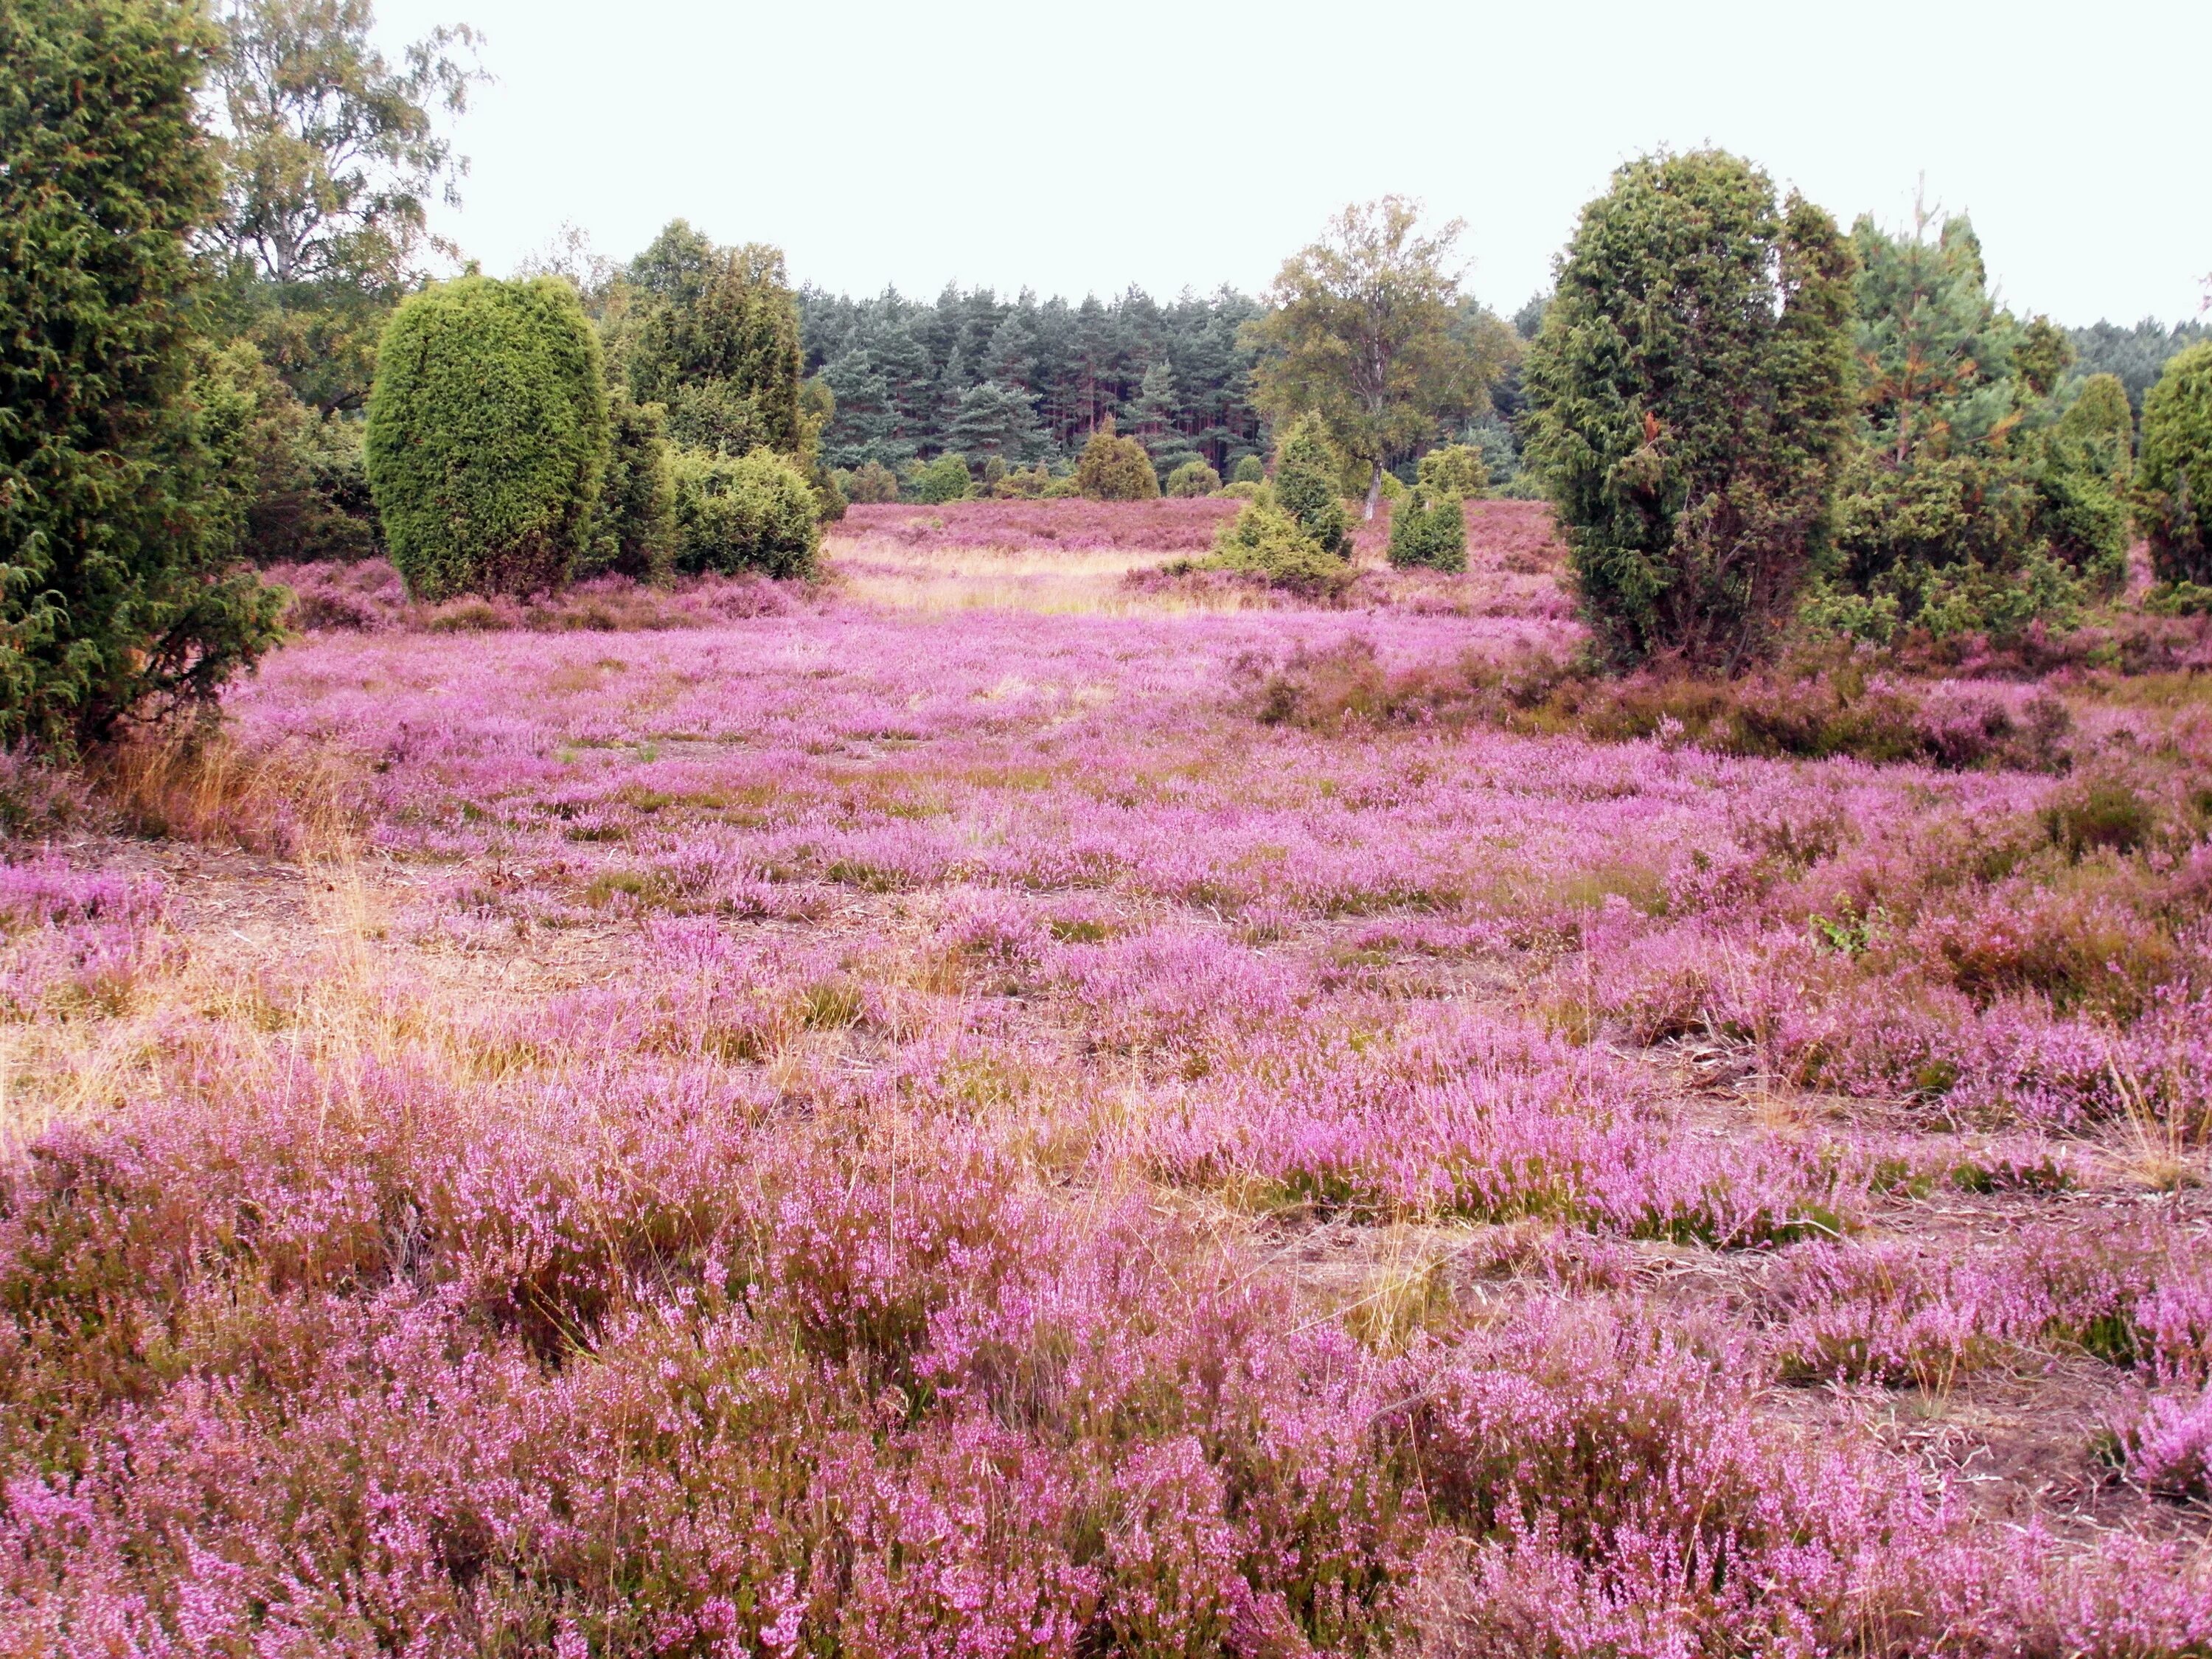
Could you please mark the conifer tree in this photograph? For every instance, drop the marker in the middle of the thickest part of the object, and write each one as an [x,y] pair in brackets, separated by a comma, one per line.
[2174,475]
[1690,402]
[1307,468]
[118,512]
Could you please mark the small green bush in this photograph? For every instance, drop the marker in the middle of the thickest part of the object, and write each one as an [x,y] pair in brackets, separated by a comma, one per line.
[1306,471]
[1024,484]
[2174,472]
[874,482]
[1250,469]
[1115,469]
[1194,478]
[944,479]
[752,513]
[1456,470]
[1428,530]
[487,435]
[1245,489]
[1263,540]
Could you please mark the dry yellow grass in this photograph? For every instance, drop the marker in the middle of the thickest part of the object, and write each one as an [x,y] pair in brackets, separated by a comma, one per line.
[880,571]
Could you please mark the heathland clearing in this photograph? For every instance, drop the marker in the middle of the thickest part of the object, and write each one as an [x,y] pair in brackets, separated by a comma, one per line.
[999,1098]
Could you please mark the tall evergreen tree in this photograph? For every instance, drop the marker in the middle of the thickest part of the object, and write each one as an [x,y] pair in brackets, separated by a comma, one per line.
[718,343]
[1691,395]
[117,517]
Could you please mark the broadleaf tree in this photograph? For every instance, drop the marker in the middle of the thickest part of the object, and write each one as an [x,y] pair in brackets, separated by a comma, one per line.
[332,157]
[1367,328]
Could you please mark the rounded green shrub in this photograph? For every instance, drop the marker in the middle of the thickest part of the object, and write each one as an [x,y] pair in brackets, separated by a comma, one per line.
[872,482]
[1250,469]
[1194,478]
[944,479]
[1115,469]
[1263,540]
[753,512]
[488,436]
[1429,529]
[1307,468]
[1456,470]
[2173,474]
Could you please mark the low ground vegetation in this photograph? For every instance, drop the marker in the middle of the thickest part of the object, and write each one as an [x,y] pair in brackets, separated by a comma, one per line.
[1342,1115]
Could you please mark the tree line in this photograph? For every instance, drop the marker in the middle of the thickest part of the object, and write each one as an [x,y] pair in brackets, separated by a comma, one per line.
[223,348]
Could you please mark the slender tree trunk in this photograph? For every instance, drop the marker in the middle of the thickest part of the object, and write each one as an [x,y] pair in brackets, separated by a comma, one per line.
[1374,490]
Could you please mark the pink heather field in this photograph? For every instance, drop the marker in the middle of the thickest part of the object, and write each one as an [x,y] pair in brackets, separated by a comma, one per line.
[979,1108]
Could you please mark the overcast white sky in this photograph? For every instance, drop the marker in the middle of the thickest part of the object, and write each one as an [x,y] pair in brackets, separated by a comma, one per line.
[1084,147]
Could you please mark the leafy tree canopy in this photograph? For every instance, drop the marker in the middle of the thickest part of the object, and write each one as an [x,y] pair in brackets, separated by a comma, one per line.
[332,157]
[1367,327]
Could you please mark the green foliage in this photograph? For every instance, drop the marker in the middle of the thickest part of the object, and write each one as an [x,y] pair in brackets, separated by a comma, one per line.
[633,530]
[2043,354]
[121,501]
[2099,429]
[1194,478]
[1456,470]
[1024,484]
[872,482]
[1978,508]
[993,419]
[2174,472]
[1264,540]
[2135,356]
[1367,328]
[754,512]
[331,158]
[1691,404]
[1248,470]
[716,339]
[944,479]
[1428,529]
[1115,469]
[296,481]
[488,436]
[1308,467]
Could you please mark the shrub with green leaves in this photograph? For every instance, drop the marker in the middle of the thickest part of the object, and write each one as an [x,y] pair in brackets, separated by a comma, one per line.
[752,511]
[1429,529]
[1194,478]
[1456,470]
[2173,475]
[944,479]
[1691,397]
[488,436]
[295,480]
[1115,469]
[1248,470]
[634,527]
[1308,468]
[1264,540]
[120,504]
[871,483]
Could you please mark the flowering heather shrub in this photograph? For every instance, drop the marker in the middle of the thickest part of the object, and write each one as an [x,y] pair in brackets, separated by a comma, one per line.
[861,1131]
[367,597]
[1169,524]
[76,941]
